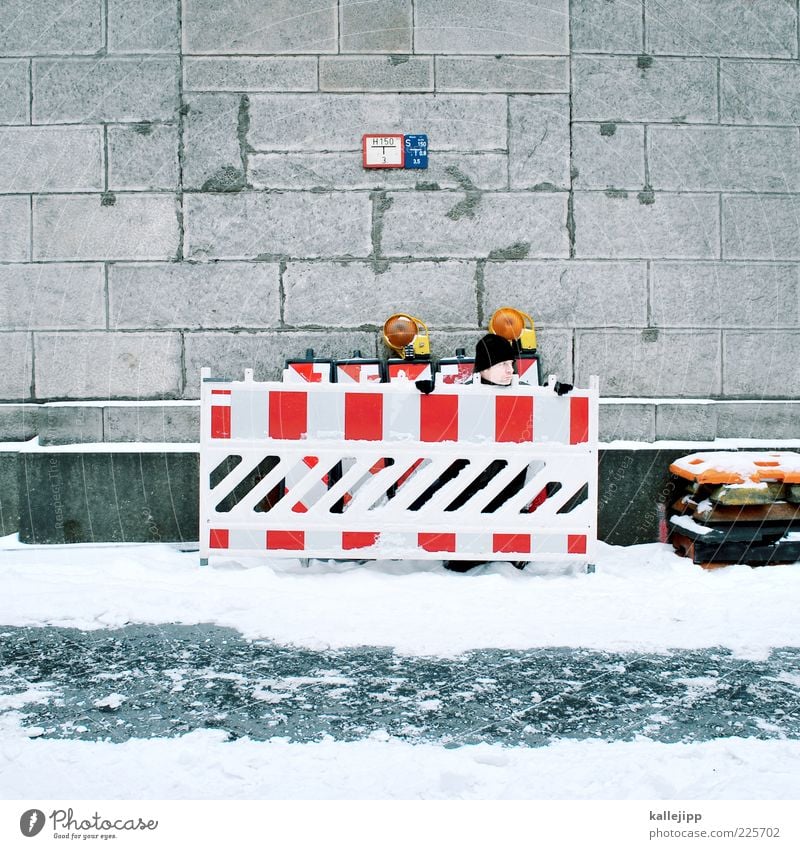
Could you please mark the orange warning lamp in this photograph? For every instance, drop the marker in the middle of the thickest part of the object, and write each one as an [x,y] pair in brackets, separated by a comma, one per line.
[406,335]
[510,323]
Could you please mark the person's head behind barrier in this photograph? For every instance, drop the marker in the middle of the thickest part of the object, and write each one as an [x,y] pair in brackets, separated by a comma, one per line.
[494,359]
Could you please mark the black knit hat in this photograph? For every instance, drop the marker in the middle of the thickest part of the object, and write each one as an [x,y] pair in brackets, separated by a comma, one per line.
[491,350]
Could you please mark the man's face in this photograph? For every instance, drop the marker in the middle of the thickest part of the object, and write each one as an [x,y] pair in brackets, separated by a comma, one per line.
[500,373]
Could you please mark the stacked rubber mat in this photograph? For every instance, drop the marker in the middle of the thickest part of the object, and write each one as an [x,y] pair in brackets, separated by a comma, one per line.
[739,507]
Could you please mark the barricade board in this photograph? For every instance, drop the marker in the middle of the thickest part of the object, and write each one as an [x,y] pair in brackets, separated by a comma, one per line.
[455,370]
[379,470]
[409,369]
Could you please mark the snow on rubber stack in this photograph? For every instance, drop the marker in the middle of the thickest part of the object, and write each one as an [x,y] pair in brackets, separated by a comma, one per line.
[736,467]
[742,507]
[361,470]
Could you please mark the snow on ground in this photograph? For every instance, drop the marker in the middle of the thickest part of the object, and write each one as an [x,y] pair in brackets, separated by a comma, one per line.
[642,598]
[201,765]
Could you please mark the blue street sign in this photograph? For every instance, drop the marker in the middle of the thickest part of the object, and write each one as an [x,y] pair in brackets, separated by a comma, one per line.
[416,151]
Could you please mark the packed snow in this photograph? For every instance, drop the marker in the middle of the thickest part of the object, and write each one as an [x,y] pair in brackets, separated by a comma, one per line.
[642,598]
[203,765]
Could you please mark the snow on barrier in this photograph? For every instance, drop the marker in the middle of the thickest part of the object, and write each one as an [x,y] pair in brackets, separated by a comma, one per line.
[379,470]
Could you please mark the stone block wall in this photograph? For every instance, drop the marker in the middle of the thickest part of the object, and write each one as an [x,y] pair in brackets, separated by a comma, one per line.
[181,185]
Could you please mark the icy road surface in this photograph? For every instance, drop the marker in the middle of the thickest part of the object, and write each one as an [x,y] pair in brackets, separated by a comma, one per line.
[144,681]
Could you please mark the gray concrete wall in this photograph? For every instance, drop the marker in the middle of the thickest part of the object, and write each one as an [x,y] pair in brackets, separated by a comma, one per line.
[181,185]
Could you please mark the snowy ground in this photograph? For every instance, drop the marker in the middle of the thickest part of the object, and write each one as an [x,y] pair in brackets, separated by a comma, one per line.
[642,599]
[202,765]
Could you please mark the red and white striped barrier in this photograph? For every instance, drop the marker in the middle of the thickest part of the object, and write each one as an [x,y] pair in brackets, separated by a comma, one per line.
[223,539]
[326,470]
[452,414]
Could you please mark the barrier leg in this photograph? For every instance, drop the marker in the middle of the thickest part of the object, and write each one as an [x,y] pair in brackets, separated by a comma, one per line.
[590,568]
[203,561]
